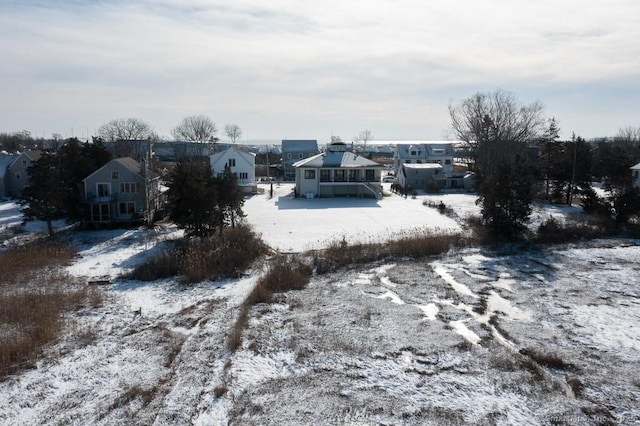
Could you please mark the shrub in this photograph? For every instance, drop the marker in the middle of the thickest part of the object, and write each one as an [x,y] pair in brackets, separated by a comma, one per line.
[34,294]
[413,243]
[199,259]
[553,231]
[285,273]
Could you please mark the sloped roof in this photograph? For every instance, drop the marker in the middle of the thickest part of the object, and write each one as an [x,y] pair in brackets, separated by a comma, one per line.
[342,159]
[295,145]
[127,162]
[636,167]
[5,160]
[249,157]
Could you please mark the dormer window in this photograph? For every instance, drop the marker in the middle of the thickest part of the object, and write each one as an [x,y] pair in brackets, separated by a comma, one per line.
[438,151]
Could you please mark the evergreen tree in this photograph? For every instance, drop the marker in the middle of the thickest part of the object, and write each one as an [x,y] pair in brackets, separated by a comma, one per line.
[192,197]
[231,197]
[498,131]
[44,197]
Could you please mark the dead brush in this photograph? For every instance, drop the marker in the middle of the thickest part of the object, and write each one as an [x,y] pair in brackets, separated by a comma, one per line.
[411,243]
[285,273]
[196,260]
[34,295]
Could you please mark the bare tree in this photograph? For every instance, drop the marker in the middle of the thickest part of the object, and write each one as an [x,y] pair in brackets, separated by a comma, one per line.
[631,134]
[125,129]
[233,132]
[126,137]
[486,120]
[364,137]
[498,130]
[195,128]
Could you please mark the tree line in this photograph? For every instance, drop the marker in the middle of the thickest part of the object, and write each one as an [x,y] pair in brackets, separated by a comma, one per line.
[197,201]
[516,156]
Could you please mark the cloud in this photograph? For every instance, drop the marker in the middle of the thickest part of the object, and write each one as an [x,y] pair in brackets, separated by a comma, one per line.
[287,63]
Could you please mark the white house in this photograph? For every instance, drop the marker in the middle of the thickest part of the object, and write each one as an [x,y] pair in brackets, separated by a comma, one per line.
[338,172]
[428,166]
[243,164]
[635,175]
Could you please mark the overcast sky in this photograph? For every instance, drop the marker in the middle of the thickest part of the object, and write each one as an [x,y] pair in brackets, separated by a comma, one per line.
[311,69]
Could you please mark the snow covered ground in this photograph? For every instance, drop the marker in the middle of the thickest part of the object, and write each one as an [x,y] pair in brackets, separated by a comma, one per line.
[464,338]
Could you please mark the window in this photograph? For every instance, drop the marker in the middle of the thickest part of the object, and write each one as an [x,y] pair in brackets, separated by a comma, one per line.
[232,162]
[18,176]
[447,162]
[370,175]
[325,175]
[407,161]
[127,208]
[103,189]
[115,175]
[300,156]
[418,161]
[289,156]
[340,175]
[415,152]
[352,175]
[129,187]
[438,151]
[243,175]
[100,212]
[309,174]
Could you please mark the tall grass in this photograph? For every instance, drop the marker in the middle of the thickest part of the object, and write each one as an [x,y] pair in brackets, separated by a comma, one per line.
[285,273]
[411,243]
[34,295]
[195,260]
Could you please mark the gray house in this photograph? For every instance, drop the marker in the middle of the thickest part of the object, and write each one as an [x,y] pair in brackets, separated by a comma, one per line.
[338,172]
[121,191]
[5,161]
[635,175]
[16,176]
[294,151]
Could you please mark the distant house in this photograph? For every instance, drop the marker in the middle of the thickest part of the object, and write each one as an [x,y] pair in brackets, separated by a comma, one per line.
[5,161]
[428,166]
[17,175]
[121,192]
[635,175]
[338,172]
[294,151]
[243,164]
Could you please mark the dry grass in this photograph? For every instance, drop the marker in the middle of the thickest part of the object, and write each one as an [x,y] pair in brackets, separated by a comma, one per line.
[212,258]
[411,243]
[34,294]
[553,231]
[285,273]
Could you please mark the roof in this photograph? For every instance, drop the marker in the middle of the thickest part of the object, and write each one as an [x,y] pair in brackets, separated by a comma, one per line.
[341,159]
[422,166]
[127,162]
[31,155]
[295,145]
[5,160]
[249,157]
[636,167]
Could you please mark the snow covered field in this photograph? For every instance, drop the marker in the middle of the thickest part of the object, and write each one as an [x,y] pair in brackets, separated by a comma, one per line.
[471,337]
